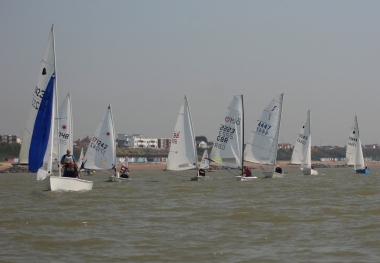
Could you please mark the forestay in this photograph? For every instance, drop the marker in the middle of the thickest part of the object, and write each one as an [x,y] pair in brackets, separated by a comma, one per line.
[228,145]
[45,75]
[182,154]
[302,149]
[101,153]
[263,142]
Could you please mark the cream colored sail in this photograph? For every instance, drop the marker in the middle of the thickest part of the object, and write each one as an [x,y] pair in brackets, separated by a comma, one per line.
[262,145]
[182,154]
[228,144]
[101,153]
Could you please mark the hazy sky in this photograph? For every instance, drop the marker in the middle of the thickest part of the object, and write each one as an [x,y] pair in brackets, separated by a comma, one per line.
[142,57]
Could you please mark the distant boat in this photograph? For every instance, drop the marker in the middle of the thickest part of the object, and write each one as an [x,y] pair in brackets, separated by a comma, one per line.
[101,153]
[205,162]
[123,175]
[302,149]
[354,151]
[182,154]
[263,143]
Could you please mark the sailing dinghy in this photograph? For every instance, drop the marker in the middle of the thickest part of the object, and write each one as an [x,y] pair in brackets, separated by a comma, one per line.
[354,151]
[228,145]
[205,162]
[182,154]
[124,169]
[101,153]
[302,149]
[64,140]
[263,143]
[41,126]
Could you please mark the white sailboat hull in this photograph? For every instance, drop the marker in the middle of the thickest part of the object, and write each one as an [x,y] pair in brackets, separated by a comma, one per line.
[308,171]
[55,183]
[244,178]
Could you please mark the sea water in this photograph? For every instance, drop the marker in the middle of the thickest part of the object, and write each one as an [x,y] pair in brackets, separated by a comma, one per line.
[165,217]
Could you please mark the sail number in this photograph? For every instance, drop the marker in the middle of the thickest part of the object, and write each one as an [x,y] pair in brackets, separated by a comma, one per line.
[263,128]
[98,145]
[302,138]
[175,137]
[219,146]
[64,135]
[352,141]
[225,133]
[39,93]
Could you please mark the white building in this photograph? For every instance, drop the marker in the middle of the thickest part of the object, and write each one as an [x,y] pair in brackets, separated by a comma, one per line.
[10,139]
[139,141]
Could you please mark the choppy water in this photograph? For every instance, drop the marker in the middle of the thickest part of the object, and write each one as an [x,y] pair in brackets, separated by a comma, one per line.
[159,217]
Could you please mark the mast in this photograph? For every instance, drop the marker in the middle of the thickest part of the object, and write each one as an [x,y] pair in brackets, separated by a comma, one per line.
[279,126]
[192,131]
[55,127]
[242,140]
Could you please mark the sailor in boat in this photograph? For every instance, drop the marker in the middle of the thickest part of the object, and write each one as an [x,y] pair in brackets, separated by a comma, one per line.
[278,169]
[124,172]
[247,172]
[69,165]
[71,171]
[202,172]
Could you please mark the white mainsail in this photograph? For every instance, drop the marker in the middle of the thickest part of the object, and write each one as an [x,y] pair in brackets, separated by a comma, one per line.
[228,145]
[47,70]
[302,149]
[262,145]
[65,126]
[182,154]
[354,152]
[101,153]
[205,162]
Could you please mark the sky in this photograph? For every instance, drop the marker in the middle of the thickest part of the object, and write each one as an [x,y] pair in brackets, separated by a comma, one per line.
[143,57]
